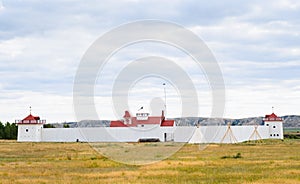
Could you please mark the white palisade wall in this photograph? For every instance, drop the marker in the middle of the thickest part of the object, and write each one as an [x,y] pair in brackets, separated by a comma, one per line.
[192,134]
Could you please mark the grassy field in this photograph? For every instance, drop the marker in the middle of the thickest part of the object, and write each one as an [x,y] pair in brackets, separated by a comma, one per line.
[270,161]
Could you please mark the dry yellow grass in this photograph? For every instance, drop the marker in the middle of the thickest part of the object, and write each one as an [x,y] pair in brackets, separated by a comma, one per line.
[272,161]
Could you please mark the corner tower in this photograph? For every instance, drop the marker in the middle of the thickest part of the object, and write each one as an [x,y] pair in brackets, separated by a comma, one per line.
[275,125]
[30,129]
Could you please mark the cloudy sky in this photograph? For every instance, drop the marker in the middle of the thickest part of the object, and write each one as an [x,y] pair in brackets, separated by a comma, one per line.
[256,44]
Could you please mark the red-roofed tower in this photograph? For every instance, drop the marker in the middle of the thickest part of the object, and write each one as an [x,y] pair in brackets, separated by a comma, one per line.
[275,125]
[30,128]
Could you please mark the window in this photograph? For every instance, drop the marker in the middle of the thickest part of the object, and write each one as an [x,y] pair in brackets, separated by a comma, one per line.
[270,135]
[277,135]
[267,124]
[274,135]
[26,130]
[274,126]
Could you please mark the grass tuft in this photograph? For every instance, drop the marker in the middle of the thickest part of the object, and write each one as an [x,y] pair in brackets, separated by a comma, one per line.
[238,155]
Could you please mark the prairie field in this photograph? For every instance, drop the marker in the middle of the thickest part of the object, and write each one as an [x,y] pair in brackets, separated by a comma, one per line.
[267,161]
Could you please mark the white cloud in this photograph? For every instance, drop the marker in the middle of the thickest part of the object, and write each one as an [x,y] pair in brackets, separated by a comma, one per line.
[257,100]
[54,108]
[1,6]
[256,43]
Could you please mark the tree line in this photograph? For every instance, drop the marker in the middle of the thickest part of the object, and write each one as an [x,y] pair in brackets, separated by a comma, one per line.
[8,130]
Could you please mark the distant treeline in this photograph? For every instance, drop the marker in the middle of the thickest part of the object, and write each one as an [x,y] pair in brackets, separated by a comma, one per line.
[8,131]
[52,126]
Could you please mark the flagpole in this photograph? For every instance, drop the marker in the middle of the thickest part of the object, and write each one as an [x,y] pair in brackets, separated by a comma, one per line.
[164,84]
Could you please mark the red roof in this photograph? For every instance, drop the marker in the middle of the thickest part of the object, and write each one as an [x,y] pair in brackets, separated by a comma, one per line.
[117,124]
[272,117]
[151,120]
[154,120]
[30,117]
[167,123]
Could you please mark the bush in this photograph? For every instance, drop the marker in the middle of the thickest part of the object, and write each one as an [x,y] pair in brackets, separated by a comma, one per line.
[66,126]
[48,126]
[292,136]
[238,155]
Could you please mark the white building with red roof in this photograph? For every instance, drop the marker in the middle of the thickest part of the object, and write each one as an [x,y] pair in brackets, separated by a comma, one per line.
[144,127]
[30,128]
[275,126]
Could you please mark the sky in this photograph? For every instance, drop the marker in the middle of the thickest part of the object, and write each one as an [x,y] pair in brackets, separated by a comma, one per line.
[256,44]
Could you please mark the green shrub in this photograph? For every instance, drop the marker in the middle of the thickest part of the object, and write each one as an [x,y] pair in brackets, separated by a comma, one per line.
[238,155]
